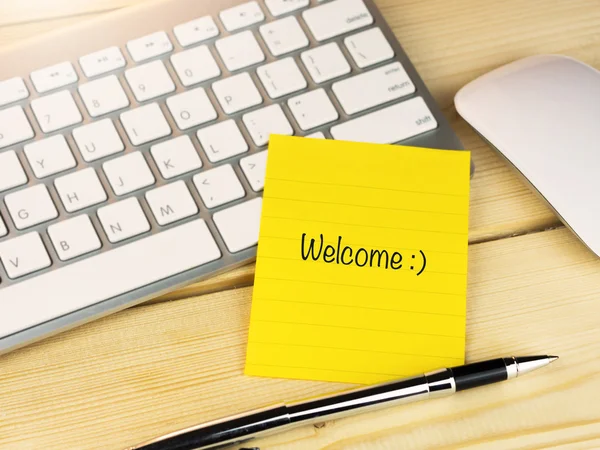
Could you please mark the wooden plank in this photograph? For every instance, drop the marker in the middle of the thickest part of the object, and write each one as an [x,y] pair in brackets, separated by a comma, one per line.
[156,368]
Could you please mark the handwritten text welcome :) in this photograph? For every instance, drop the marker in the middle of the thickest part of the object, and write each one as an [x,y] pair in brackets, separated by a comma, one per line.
[347,255]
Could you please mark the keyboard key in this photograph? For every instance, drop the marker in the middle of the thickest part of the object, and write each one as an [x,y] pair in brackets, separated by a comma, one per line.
[369,47]
[54,77]
[128,173]
[12,90]
[80,189]
[266,121]
[337,17]
[191,108]
[56,111]
[241,16]
[149,81]
[149,46]
[240,50]
[30,207]
[254,167]
[103,96]
[74,237]
[237,93]
[101,62]
[218,186]
[325,63]
[98,140]
[239,225]
[145,124]
[317,135]
[312,109]
[123,220]
[171,203]
[195,65]
[176,157]
[195,31]
[389,125]
[23,255]
[373,88]
[283,36]
[280,7]
[84,283]
[14,127]
[281,77]
[11,171]
[222,140]
[3,230]
[49,156]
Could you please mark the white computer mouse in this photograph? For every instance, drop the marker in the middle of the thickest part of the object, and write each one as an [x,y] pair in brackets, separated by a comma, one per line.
[542,114]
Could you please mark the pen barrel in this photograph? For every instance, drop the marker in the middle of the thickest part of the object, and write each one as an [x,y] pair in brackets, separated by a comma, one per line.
[223,432]
[431,385]
[253,424]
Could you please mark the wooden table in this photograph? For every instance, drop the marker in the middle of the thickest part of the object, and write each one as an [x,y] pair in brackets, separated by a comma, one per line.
[533,288]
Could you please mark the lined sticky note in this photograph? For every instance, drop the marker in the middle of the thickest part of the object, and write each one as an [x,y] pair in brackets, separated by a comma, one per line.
[362,261]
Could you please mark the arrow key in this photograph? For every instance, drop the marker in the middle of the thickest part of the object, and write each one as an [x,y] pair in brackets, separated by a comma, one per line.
[219,186]
[254,167]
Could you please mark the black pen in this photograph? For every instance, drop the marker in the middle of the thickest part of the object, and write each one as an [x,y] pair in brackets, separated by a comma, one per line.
[241,428]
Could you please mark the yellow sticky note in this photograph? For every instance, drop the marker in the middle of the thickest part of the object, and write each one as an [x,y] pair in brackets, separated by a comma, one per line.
[362,262]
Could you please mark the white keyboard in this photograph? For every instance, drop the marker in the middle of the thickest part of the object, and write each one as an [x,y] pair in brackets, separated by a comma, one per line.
[133,149]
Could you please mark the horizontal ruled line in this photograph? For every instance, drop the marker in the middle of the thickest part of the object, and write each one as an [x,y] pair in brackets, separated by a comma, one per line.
[395,375]
[326,370]
[368,187]
[371,245]
[359,307]
[364,226]
[357,350]
[359,286]
[368,206]
[358,328]
[404,271]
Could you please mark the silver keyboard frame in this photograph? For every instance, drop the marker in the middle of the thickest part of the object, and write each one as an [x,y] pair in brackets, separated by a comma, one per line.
[116,29]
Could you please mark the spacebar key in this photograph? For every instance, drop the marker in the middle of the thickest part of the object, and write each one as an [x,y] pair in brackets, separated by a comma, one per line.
[388,125]
[106,276]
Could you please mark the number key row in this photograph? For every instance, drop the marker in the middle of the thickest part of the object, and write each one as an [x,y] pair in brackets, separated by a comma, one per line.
[147,123]
[149,81]
[196,65]
[237,51]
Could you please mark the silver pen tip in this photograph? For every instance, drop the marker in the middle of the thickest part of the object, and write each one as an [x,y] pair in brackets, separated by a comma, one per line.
[526,364]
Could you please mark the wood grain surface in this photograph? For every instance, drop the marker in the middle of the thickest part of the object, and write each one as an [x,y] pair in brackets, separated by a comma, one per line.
[178,360]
